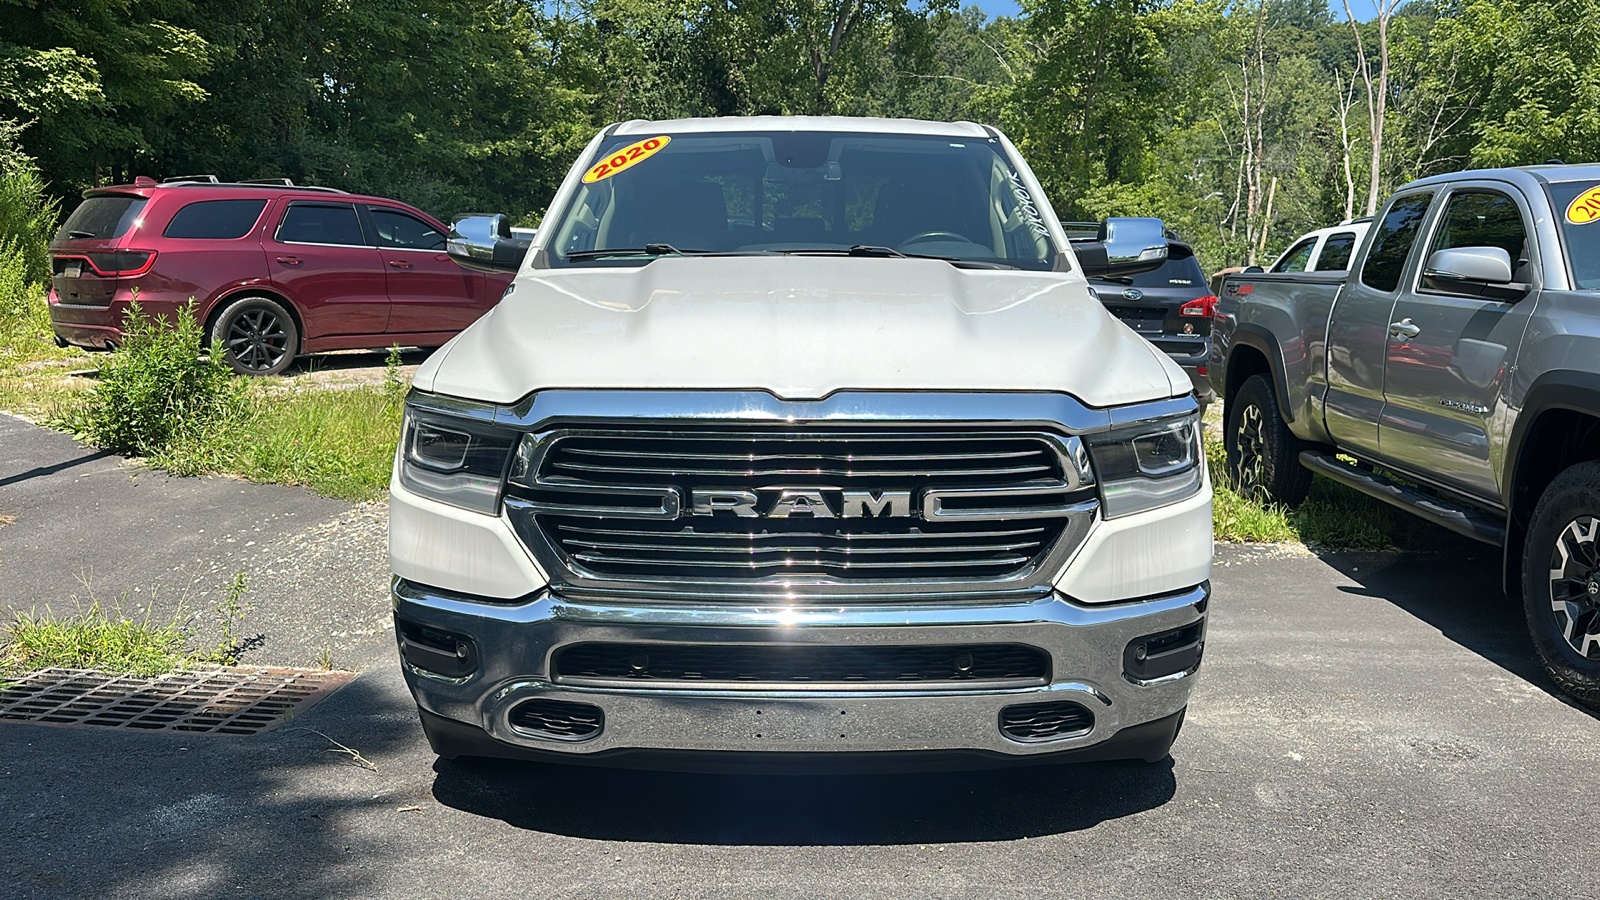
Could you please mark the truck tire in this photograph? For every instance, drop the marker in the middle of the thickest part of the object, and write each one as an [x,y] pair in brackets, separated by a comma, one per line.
[1561,582]
[256,335]
[1263,455]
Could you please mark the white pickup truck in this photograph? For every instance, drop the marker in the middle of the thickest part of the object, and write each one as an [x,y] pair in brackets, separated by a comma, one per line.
[801,438]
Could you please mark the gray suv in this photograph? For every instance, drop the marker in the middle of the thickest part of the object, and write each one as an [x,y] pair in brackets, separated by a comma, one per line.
[1457,364]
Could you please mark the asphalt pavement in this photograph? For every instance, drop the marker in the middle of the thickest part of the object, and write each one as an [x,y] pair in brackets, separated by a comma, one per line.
[1364,725]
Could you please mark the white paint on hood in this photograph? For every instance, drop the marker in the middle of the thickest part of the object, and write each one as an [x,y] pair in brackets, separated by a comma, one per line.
[801,328]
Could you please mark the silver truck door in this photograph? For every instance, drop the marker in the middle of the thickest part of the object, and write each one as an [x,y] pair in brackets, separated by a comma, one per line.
[1450,348]
[1358,329]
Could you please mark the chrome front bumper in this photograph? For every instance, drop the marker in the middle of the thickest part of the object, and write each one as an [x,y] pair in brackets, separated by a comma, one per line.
[516,643]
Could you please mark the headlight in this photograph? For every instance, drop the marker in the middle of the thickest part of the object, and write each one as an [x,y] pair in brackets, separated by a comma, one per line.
[1149,465]
[454,460]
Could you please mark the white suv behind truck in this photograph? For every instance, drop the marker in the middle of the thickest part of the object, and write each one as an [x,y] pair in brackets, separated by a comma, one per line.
[801,439]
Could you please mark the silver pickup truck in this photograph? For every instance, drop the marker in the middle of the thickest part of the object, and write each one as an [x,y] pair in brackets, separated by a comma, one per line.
[1458,363]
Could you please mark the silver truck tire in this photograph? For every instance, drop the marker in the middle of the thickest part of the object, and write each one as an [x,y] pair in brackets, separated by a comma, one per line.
[1263,455]
[1561,582]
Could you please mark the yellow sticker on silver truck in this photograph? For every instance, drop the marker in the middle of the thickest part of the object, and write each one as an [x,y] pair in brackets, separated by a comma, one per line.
[627,157]
[1585,207]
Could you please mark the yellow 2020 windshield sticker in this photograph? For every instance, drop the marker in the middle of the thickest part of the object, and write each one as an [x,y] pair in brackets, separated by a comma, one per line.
[1585,207]
[628,156]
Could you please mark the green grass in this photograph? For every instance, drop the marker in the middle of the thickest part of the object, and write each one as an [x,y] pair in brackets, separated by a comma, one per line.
[338,442]
[94,640]
[1333,517]
[1239,519]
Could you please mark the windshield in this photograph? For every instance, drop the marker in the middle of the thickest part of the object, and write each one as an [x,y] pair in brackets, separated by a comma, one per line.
[1577,207]
[802,192]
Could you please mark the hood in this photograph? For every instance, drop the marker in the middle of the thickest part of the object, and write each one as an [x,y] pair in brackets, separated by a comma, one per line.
[801,328]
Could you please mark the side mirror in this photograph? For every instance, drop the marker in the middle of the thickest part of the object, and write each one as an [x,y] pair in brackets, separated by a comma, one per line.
[1125,246]
[1252,270]
[486,244]
[1475,271]
[1488,265]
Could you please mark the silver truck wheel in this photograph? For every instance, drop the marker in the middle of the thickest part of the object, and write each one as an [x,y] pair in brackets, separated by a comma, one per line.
[1263,455]
[1561,582]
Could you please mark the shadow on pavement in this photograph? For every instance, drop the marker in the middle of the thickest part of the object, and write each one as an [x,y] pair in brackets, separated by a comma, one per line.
[802,810]
[42,471]
[1457,592]
[102,812]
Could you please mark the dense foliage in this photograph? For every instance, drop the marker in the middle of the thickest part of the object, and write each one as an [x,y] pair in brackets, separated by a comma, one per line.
[1242,122]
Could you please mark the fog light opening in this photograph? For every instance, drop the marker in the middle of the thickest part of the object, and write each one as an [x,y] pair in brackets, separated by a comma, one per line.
[1165,654]
[437,651]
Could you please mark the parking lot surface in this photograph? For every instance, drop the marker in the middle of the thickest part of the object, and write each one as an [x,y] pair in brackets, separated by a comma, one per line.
[1364,725]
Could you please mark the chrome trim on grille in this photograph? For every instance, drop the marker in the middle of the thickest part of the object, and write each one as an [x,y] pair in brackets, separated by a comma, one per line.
[733,549]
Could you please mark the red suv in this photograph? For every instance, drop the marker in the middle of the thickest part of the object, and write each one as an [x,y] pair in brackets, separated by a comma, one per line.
[275,269]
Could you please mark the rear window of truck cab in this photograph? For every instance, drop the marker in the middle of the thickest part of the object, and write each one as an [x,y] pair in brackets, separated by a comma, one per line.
[956,198]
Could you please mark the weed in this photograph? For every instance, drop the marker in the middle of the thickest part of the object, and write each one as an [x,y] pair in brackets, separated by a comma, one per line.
[394,385]
[158,396]
[324,660]
[231,610]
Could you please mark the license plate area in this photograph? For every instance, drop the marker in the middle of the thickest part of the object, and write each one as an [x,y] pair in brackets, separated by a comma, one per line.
[72,270]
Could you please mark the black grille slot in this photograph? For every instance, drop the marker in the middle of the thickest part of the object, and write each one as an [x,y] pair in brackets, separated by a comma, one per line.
[619,507]
[746,548]
[558,719]
[765,665]
[1045,721]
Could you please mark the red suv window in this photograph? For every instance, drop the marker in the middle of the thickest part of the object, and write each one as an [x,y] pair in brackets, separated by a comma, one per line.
[321,223]
[215,219]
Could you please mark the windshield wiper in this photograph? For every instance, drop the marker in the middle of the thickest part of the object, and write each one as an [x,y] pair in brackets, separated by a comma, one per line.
[889,252]
[78,235]
[646,250]
[962,262]
[654,250]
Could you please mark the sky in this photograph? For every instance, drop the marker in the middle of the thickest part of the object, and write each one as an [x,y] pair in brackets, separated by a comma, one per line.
[995,8]
[1363,9]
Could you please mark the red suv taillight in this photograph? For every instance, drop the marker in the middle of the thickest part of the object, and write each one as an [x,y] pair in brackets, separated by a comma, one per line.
[1203,307]
[113,263]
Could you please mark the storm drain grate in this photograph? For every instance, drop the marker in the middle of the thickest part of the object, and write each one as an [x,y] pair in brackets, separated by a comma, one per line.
[212,701]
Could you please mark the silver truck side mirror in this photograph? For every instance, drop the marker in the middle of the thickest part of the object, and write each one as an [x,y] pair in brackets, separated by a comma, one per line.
[1485,265]
[1125,246]
[1473,272]
[485,243]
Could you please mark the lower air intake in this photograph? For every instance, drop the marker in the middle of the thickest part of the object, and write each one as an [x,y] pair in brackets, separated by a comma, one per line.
[558,719]
[1045,721]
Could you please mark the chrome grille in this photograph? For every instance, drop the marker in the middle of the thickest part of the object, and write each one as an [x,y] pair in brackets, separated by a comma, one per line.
[617,506]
